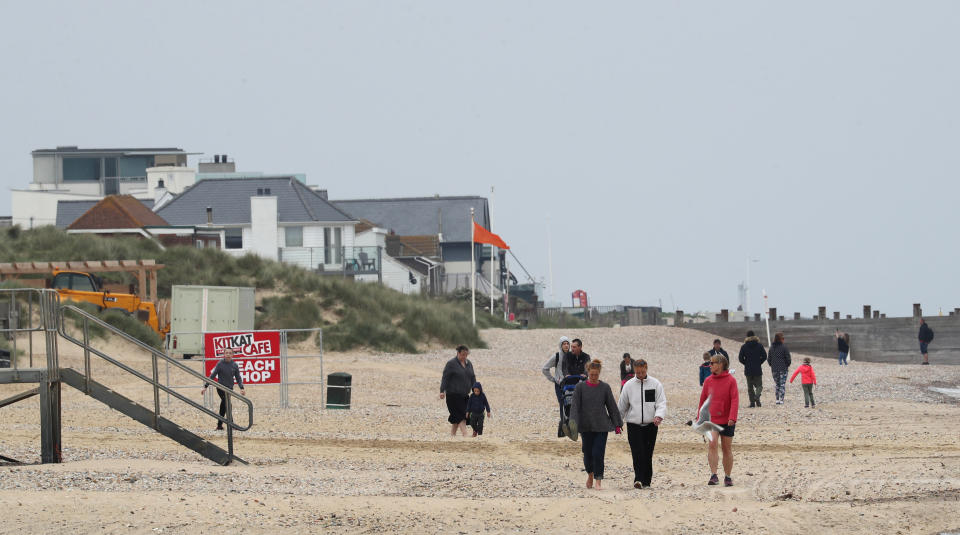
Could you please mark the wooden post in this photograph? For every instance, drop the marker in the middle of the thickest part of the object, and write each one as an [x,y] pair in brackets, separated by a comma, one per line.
[678,319]
[773,313]
[796,315]
[142,283]
[916,310]
[836,315]
[781,318]
[822,313]
[866,312]
[849,316]
[883,316]
[49,421]
[724,315]
[756,317]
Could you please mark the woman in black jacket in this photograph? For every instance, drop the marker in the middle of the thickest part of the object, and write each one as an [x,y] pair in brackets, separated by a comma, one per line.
[779,359]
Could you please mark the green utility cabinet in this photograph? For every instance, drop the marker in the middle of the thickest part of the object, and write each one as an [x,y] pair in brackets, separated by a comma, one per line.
[198,309]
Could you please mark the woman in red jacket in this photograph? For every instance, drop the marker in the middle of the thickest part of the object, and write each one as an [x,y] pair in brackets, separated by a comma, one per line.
[721,389]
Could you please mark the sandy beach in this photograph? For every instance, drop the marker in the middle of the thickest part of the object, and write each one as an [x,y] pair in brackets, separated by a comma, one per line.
[879,454]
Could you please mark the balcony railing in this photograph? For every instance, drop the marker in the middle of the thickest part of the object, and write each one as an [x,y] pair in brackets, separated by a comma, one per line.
[345,260]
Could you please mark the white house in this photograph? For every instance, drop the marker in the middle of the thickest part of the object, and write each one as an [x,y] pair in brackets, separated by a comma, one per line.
[276,217]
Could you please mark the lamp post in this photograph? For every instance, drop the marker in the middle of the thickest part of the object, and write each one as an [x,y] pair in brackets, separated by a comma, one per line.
[746,305]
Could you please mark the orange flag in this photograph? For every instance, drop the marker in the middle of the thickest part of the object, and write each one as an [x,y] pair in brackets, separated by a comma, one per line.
[482,235]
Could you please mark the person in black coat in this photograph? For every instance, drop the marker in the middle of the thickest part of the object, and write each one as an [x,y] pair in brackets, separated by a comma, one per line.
[626,368]
[455,386]
[925,336]
[843,347]
[575,362]
[752,356]
[779,366]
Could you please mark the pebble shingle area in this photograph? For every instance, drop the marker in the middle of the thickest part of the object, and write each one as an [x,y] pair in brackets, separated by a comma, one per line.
[880,447]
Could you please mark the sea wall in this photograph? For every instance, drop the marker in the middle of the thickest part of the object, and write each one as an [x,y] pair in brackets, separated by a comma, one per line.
[875,340]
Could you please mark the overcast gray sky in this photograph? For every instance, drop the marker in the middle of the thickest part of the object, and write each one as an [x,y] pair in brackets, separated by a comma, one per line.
[668,142]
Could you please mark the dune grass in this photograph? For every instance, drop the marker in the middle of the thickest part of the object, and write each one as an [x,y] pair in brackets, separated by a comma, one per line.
[352,314]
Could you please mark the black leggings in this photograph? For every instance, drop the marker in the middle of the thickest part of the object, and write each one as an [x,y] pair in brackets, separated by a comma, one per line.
[223,404]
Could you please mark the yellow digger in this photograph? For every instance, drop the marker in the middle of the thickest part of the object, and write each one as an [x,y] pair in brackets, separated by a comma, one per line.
[86,288]
[75,281]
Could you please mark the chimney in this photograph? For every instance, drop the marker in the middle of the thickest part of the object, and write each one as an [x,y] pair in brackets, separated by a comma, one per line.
[322,193]
[209,215]
[216,158]
[158,194]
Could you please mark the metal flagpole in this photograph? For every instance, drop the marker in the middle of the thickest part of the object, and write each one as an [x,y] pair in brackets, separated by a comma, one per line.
[473,271]
[491,258]
[766,314]
[491,279]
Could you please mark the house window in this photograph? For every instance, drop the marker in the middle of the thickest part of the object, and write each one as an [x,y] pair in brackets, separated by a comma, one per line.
[294,236]
[332,245]
[81,169]
[233,239]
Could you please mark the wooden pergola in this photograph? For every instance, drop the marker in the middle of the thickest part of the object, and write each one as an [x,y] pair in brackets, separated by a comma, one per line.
[145,270]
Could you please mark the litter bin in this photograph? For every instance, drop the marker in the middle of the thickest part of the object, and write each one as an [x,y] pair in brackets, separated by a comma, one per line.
[338,390]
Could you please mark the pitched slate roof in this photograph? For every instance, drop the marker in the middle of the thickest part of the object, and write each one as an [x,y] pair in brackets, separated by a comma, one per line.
[117,211]
[421,216]
[70,211]
[230,200]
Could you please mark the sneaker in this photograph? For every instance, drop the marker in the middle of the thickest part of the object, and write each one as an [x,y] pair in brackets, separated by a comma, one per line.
[758,403]
[560,433]
[637,485]
[714,480]
[806,406]
[779,402]
[924,363]
[752,404]
[219,428]
[727,482]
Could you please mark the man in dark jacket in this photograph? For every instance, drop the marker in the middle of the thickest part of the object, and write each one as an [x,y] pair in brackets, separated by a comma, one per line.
[717,350]
[843,347]
[225,372]
[752,356]
[925,336]
[575,362]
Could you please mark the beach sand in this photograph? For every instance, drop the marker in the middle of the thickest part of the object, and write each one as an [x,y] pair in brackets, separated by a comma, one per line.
[880,453]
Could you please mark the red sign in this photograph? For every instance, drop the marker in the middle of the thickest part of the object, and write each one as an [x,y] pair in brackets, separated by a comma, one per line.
[257,354]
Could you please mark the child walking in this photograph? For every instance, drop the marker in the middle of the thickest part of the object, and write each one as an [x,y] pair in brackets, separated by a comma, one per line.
[705,367]
[807,380]
[475,406]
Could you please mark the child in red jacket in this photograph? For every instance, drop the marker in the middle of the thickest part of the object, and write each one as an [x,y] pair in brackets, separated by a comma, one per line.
[807,380]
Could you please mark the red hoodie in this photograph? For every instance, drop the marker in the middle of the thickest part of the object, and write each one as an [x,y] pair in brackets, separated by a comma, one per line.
[807,376]
[724,398]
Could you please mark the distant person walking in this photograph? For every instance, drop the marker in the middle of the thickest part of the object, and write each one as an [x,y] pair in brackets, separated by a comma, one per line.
[779,366]
[925,336]
[455,385]
[807,380]
[752,356]
[576,361]
[717,350]
[626,369]
[643,406]
[843,347]
[225,372]
[721,389]
[596,413]
[556,363]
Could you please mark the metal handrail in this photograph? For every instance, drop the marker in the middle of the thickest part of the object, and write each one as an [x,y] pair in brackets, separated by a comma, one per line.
[154,381]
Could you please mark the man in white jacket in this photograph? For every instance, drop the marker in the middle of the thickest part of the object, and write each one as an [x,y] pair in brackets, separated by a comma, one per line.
[643,406]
